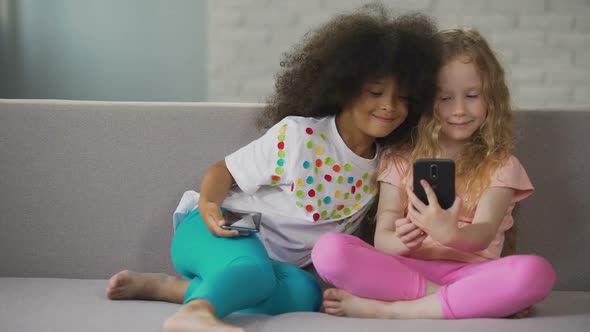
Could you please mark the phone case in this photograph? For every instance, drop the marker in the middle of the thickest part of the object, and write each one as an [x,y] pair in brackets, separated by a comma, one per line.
[440,174]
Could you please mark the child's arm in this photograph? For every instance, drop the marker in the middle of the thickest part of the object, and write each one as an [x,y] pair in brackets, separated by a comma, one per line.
[395,234]
[441,224]
[491,210]
[214,188]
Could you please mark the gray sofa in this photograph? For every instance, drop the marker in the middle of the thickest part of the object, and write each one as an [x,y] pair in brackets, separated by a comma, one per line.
[88,188]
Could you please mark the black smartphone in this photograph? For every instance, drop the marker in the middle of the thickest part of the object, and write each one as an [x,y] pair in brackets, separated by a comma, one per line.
[242,221]
[440,174]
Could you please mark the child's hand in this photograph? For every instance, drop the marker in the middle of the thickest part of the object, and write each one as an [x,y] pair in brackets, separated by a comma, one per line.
[213,218]
[409,234]
[440,224]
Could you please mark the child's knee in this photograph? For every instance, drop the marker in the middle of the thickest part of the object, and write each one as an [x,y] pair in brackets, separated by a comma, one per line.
[534,275]
[323,250]
[253,272]
[329,254]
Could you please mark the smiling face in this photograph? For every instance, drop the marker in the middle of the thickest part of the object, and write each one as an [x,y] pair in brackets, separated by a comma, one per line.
[377,111]
[460,103]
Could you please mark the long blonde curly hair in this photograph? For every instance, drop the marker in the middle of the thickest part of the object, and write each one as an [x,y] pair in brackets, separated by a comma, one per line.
[492,144]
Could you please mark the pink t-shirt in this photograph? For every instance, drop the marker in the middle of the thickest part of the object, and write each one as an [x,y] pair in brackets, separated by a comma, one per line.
[510,175]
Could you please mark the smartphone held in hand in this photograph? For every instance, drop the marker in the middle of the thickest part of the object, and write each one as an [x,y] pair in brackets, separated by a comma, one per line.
[440,174]
[242,221]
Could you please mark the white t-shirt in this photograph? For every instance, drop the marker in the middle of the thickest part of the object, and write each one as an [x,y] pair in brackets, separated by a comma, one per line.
[304,180]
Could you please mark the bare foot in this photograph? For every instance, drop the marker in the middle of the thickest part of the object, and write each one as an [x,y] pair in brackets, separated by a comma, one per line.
[523,313]
[129,285]
[339,302]
[198,316]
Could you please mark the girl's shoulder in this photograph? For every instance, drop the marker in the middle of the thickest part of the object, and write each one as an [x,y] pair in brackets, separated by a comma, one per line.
[513,175]
[312,130]
[297,120]
[394,157]
[393,166]
[510,164]
[301,126]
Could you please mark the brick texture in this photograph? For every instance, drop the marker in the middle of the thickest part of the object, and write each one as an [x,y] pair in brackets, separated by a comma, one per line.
[544,45]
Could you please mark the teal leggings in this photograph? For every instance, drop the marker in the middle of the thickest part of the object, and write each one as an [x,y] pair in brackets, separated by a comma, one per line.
[236,274]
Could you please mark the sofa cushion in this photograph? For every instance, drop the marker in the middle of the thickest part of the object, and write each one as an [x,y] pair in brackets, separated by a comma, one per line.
[62,305]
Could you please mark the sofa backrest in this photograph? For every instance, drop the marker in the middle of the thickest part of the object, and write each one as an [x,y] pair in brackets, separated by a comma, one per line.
[88,188]
[555,221]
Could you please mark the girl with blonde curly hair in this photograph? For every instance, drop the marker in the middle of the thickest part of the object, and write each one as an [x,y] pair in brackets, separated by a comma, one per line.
[429,262]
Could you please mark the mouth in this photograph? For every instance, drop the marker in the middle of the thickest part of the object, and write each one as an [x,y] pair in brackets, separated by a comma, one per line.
[385,119]
[459,124]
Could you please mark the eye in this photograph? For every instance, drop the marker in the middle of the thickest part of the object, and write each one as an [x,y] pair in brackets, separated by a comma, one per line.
[376,93]
[404,98]
[445,98]
[473,95]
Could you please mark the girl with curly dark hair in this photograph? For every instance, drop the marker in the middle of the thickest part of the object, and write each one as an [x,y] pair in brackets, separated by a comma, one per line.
[357,83]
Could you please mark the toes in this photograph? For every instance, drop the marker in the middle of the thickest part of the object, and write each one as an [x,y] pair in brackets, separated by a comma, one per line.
[334,312]
[117,284]
[335,294]
[523,313]
[118,279]
[113,281]
[331,304]
[112,294]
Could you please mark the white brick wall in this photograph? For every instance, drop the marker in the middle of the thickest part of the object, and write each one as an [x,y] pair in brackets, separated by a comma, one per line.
[543,44]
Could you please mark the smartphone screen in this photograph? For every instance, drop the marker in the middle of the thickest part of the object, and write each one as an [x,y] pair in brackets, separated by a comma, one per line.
[231,217]
[440,174]
[243,222]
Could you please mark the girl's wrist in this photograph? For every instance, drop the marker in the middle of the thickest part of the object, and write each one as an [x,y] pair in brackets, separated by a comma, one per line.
[203,202]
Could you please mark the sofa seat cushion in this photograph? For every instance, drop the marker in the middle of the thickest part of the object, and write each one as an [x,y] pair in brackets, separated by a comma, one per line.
[45,304]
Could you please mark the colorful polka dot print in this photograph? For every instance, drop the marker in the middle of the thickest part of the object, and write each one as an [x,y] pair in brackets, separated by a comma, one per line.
[351,220]
[325,189]
[276,178]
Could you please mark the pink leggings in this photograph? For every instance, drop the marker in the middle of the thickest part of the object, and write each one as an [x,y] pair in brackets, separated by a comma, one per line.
[491,289]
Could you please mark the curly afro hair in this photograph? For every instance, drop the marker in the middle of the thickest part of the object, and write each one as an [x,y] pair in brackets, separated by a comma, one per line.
[327,70]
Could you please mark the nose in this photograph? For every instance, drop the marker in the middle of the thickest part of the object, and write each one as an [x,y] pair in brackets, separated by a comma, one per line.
[459,107]
[387,105]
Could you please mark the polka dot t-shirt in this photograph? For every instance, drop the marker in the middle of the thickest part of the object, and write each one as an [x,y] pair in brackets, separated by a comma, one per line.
[305,180]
